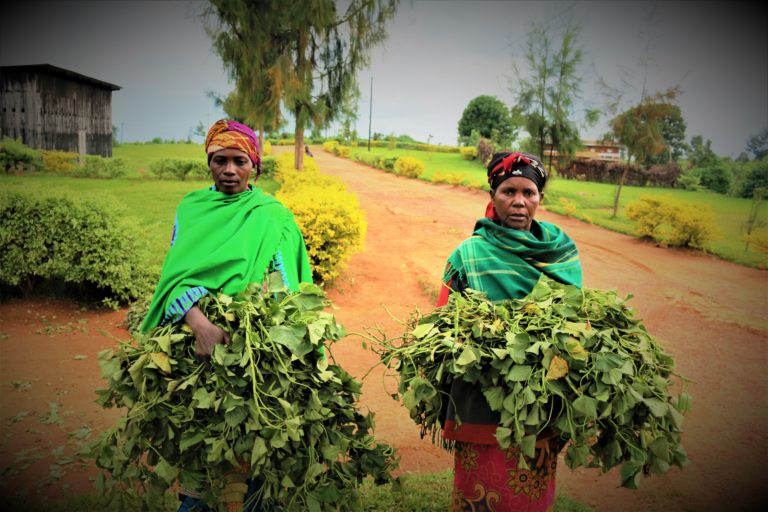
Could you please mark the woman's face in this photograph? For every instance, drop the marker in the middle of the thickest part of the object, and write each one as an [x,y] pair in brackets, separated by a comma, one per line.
[231,169]
[515,201]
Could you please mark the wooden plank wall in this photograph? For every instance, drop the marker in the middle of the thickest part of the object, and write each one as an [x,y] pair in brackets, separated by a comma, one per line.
[48,112]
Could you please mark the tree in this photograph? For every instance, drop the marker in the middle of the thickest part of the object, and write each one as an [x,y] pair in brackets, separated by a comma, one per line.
[304,55]
[757,144]
[700,153]
[485,114]
[546,101]
[673,128]
[639,129]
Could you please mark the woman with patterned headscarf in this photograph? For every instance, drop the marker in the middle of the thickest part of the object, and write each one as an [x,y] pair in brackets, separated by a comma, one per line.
[504,258]
[225,237]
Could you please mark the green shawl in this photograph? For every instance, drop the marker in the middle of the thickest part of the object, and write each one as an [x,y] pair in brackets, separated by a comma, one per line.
[506,263]
[223,243]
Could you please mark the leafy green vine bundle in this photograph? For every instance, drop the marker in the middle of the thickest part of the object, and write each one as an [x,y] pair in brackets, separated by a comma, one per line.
[270,405]
[573,361]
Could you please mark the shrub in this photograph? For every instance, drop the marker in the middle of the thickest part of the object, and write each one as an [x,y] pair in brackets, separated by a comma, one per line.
[716,178]
[178,169]
[342,151]
[757,239]
[451,178]
[672,223]
[267,149]
[409,167]
[327,214]
[757,177]
[99,167]
[60,162]
[689,181]
[268,166]
[330,145]
[469,153]
[88,246]
[17,156]
[485,150]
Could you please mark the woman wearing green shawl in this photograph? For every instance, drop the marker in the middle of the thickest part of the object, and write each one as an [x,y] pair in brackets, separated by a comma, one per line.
[225,237]
[504,258]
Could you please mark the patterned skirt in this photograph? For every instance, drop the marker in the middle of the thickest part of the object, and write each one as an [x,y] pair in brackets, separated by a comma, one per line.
[486,478]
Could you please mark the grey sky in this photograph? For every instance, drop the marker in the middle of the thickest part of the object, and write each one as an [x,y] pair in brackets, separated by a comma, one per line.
[438,56]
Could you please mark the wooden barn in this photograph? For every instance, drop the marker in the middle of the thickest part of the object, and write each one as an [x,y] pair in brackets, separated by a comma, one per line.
[56,109]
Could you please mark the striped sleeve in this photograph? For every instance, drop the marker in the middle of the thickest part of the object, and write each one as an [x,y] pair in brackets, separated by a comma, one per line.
[182,304]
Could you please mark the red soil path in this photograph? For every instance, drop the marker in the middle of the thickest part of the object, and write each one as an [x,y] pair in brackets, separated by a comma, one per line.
[711,315]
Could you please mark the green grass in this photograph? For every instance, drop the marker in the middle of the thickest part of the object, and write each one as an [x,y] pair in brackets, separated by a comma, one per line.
[139,156]
[593,202]
[428,492]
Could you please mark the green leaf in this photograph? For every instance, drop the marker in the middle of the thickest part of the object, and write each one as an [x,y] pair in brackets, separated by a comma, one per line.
[467,357]
[519,373]
[166,471]
[291,336]
[528,446]
[422,330]
[585,406]
[495,397]
[189,439]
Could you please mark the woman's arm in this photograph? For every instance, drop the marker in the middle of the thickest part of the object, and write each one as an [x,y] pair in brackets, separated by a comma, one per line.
[207,335]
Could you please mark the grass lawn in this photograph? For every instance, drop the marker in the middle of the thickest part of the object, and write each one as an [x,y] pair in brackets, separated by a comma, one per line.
[139,156]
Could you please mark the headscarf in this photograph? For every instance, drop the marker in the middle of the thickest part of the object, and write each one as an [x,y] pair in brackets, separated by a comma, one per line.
[505,165]
[228,134]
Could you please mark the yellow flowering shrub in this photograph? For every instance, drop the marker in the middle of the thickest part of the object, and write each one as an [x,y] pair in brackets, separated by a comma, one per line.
[330,145]
[451,178]
[59,162]
[267,149]
[409,167]
[327,214]
[342,151]
[673,223]
[469,153]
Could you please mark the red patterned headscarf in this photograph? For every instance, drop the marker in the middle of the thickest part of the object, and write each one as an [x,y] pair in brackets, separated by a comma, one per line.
[504,165]
[228,134]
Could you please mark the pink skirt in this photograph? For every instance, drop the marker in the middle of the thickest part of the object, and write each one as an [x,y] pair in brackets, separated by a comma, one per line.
[486,478]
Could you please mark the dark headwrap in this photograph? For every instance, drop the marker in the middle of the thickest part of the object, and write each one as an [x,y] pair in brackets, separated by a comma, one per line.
[228,134]
[505,165]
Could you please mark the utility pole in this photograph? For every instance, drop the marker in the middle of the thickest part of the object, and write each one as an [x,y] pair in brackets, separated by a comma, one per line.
[370,115]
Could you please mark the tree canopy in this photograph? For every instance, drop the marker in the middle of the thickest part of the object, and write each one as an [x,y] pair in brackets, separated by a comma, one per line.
[546,101]
[303,55]
[490,117]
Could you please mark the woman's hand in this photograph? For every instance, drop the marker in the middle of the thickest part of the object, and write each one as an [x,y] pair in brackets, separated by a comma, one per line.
[207,335]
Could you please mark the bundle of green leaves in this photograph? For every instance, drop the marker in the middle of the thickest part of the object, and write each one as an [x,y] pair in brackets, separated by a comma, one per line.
[569,360]
[270,404]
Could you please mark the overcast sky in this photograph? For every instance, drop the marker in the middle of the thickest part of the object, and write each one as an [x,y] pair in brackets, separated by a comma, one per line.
[438,56]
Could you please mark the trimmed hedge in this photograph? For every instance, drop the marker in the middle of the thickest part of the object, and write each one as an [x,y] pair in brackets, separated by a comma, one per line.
[86,246]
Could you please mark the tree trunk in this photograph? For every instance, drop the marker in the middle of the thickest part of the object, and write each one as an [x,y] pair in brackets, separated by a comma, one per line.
[298,148]
[617,195]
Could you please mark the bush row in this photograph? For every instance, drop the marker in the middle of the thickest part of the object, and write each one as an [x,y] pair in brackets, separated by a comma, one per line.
[85,247]
[407,166]
[327,214]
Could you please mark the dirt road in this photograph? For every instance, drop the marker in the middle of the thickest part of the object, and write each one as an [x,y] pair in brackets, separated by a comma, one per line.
[712,316]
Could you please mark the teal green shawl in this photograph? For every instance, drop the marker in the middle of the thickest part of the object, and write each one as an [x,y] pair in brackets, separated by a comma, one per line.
[225,242]
[506,263]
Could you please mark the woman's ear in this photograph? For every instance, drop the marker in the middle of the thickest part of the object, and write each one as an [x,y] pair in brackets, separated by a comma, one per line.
[491,192]
[541,197]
